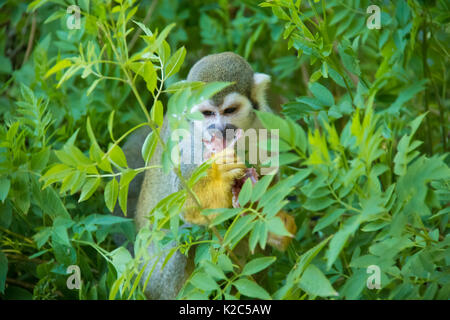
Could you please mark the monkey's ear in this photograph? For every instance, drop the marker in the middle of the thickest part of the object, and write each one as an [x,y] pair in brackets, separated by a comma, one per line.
[260,83]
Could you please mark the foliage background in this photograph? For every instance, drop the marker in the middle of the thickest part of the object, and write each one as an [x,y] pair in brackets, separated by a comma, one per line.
[365,168]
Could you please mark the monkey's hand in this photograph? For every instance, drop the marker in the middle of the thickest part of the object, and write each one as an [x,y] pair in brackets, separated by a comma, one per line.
[214,190]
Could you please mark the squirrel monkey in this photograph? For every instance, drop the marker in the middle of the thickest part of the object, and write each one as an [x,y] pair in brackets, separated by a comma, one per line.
[231,108]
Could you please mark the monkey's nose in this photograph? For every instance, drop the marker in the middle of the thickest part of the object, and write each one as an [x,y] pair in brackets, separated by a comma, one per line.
[228,127]
[223,130]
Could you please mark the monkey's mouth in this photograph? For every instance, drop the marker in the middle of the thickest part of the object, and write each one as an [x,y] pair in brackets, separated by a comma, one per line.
[216,142]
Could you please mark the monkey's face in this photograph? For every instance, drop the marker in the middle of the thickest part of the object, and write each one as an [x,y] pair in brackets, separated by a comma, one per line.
[236,112]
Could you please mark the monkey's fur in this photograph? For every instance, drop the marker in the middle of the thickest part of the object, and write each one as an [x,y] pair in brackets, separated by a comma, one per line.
[234,106]
[226,66]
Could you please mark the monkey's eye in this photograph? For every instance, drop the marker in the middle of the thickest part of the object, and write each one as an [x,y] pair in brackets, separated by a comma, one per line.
[208,113]
[230,110]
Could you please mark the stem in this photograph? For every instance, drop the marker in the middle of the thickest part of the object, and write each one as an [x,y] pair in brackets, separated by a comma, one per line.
[146,20]
[425,75]
[120,173]
[30,39]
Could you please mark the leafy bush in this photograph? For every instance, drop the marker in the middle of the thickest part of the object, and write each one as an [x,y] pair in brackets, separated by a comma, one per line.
[363,139]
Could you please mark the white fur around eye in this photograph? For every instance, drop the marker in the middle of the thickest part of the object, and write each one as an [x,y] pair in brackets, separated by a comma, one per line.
[205,105]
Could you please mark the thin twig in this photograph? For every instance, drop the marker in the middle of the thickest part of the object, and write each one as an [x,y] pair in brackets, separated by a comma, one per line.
[19,283]
[146,20]
[425,75]
[30,39]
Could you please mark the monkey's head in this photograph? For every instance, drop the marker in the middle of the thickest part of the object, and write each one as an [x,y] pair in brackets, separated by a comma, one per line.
[234,106]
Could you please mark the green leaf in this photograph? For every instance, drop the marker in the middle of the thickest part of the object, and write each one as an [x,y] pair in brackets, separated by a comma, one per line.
[5,214]
[89,188]
[225,263]
[207,91]
[42,236]
[213,270]
[146,30]
[123,198]
[272,121]
[251,289]
[58,67]
[155,44]
[103,220]
[257,265]
[203,281]
[314,282]
[93,86]
[149,76]
[120,258]
[183,84]
[406,94]
[276,226]
[157,113]
[322,93]
[329,218]
[118,157]
[127,176]
[318,204]
[302,263]
[260,187]
[175,62]
[340,238]
[5,184]
[237,230]
[48,200]
[149,146]
[245,193]
[223,215]
[40,159]
[111,193]
[3,271]
[111,124]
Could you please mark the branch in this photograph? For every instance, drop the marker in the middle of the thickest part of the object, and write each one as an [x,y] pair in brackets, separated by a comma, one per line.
[30,39]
